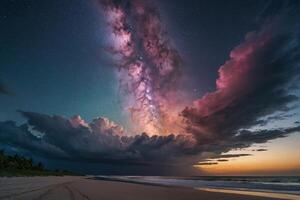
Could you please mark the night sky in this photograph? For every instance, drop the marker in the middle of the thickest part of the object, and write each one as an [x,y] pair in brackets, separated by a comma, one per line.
[52,59]
[54,50]
[66,63]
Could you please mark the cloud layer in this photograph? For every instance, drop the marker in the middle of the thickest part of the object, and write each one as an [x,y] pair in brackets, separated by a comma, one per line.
[102,141]
[252,84]
[99,141]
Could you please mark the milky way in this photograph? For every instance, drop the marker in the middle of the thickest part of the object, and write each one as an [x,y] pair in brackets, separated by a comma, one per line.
[149,67]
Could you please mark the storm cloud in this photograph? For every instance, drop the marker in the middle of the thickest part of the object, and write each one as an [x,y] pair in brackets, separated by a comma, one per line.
[254,83]
[102,141]
[99,141]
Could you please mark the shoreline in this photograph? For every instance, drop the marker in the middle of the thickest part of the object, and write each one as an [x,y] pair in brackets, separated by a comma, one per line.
[270,194]
[244,191]
[86,187]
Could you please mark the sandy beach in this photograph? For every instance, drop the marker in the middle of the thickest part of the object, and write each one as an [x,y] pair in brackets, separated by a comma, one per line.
[87,188]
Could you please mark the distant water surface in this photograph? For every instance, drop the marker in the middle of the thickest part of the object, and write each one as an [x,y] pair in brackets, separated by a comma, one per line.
[287,187]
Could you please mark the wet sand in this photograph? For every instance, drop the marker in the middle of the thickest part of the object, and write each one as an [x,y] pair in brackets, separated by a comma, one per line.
[87,188]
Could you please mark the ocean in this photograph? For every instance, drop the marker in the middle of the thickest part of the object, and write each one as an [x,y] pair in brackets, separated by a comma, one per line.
[271,186]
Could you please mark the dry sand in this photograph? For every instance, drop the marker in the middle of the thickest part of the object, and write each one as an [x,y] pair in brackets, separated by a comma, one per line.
[84,188]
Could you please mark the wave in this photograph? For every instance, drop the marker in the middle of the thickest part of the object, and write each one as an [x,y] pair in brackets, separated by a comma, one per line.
[271,184]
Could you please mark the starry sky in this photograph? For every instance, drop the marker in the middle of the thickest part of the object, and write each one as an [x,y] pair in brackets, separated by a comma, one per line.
[54,50]
[60,74]
[52,60]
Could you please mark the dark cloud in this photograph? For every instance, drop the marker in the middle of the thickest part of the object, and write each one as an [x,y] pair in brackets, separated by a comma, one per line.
[274,118]
[214,160]
[247,137]
[261,150]
[232,155]
[222,160]
[21,137]
[252,84]
[99,141]
[103,141]
[207,163]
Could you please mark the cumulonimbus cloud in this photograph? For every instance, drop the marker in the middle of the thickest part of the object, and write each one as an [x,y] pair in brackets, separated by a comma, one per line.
[98,141]
[253,83]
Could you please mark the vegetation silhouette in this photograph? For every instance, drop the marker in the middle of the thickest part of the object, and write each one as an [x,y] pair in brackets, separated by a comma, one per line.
[20,166]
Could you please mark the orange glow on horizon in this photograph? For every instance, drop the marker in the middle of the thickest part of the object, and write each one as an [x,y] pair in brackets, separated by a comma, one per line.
[282,157]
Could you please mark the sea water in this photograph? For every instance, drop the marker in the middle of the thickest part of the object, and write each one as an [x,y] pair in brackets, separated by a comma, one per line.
[284,186]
